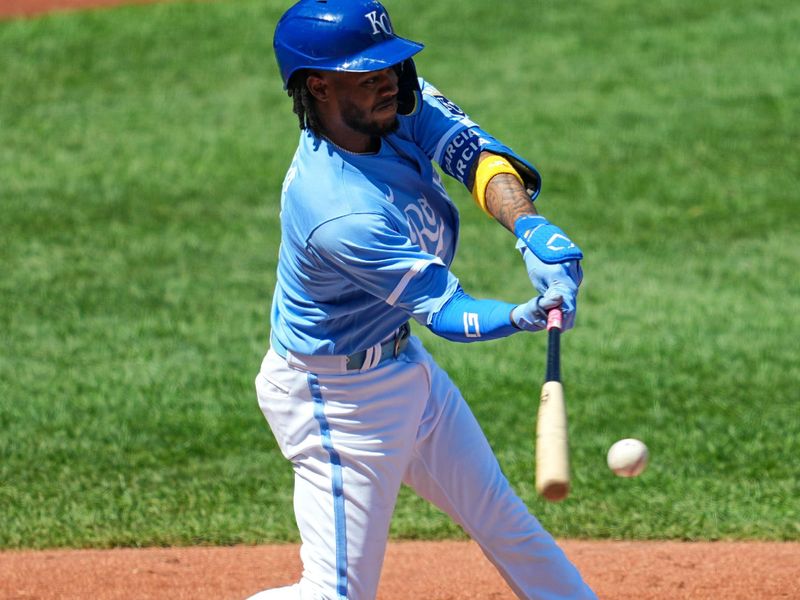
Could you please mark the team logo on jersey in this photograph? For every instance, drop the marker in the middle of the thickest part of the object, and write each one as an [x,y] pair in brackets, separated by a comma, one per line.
[426,227]
[380,22]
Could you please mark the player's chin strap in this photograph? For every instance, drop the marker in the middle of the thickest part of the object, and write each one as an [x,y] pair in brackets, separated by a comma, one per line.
[408,98]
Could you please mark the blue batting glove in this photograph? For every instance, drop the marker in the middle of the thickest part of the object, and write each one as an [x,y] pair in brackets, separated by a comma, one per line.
[551,258]
[532,316]
[561,277]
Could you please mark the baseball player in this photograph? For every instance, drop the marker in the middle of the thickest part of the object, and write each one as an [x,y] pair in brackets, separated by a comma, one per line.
[368,235]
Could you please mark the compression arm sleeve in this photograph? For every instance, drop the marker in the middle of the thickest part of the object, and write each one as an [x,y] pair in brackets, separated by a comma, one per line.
[464,319]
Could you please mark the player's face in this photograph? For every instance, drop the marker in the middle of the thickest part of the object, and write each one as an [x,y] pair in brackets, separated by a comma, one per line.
[368,101]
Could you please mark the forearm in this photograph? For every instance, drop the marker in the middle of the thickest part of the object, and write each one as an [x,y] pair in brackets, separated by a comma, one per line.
[550,256]
[506,198]
[466,319]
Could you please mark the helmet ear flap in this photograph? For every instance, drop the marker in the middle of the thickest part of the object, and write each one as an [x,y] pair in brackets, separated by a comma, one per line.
[408,96]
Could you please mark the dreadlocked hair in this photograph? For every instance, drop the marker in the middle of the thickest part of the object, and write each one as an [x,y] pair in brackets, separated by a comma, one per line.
[304,106]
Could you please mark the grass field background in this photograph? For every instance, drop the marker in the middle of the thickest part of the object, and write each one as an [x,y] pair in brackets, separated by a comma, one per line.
[142,151]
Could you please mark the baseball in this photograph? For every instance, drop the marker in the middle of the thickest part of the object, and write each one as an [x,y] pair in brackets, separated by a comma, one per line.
[628,457]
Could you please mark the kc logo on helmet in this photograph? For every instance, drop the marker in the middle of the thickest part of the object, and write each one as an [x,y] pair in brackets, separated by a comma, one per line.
[379,22]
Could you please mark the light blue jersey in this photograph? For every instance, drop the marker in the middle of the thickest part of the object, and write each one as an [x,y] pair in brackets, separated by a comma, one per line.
[368,239]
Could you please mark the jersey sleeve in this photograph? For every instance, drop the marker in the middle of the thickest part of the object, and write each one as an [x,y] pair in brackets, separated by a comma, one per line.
[366,250]
[448,136]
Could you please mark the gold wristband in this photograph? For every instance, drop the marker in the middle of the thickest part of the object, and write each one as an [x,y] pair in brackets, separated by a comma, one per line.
[488,168]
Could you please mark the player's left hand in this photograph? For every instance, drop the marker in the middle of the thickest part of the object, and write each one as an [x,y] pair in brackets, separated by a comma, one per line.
[532,316]
[551,259]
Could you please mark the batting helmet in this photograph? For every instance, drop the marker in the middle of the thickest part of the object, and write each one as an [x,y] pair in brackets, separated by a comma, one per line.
[339,35]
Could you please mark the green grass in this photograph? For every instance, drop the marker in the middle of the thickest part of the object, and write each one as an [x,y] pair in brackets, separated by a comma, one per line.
[141,155]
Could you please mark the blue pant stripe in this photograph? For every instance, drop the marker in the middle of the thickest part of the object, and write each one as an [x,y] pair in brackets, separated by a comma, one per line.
[337,487]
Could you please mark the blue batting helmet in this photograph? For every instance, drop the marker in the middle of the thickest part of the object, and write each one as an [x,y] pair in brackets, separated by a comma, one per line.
[338,35]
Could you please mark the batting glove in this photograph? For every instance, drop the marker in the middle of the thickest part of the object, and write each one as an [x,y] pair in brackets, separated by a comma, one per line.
[551,259]
[532,316]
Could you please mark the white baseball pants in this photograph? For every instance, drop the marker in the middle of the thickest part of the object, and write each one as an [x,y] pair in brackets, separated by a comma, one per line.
[354,437]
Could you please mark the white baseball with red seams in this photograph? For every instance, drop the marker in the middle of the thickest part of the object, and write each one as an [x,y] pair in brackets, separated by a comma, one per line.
[628,457]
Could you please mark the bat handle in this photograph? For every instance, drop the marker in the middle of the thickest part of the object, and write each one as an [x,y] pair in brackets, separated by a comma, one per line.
[555,319]
[554,326]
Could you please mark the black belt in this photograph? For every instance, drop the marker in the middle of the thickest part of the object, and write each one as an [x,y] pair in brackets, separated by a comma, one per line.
[389,349]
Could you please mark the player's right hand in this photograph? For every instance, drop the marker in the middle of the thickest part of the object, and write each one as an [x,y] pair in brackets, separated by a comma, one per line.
[551,258]
[532,316]
[565,277]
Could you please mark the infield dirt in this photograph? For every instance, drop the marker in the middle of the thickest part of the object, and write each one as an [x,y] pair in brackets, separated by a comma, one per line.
[412,570]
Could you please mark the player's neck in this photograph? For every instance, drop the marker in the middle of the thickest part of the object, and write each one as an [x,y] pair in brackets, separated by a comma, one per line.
[350,140]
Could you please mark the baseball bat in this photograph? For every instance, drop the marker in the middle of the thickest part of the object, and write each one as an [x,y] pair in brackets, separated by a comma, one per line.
[552,441]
